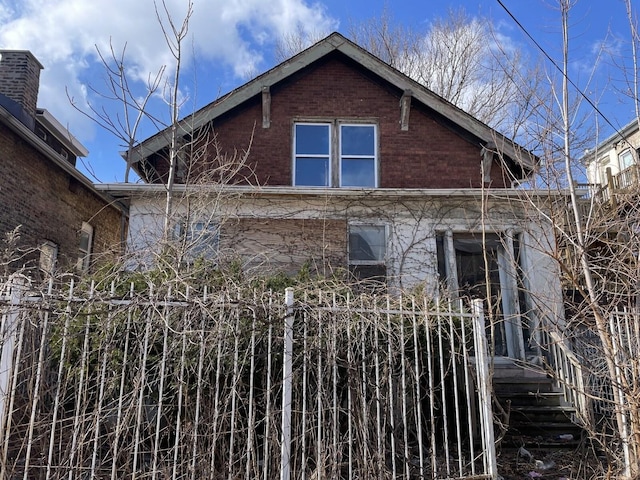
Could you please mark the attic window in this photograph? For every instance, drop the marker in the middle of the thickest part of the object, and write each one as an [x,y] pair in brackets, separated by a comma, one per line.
[335,154]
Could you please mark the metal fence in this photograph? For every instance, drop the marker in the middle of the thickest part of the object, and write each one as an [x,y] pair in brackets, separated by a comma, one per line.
[160,384]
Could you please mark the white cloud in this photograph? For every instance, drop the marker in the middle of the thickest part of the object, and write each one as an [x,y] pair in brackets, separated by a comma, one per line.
[63,34]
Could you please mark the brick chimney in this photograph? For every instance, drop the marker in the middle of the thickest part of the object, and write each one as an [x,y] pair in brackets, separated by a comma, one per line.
[20,78]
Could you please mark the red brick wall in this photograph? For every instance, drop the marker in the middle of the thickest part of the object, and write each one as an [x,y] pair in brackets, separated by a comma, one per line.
[429,155]
[49,204]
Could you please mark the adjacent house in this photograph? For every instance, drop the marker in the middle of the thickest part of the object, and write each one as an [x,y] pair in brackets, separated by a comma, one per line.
[612,165]
[335,161]
[63,220]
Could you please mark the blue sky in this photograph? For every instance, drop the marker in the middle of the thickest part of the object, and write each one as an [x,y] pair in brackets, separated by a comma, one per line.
[232,39]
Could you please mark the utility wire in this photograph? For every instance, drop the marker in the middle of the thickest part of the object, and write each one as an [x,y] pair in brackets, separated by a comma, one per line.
[553,62]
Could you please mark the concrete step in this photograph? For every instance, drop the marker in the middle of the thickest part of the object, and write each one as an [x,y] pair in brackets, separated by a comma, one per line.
[547,434]
[526,398]
[513,384]
[535,414]
[537,409]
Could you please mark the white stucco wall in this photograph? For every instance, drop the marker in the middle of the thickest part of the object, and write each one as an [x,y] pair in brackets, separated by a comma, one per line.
[412,224]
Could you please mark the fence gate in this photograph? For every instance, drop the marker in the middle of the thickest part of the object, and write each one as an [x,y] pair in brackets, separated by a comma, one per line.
[166,384]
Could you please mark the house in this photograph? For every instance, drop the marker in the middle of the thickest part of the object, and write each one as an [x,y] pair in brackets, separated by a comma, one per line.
[612,166]
[63,220]
[609,209]
[335,160]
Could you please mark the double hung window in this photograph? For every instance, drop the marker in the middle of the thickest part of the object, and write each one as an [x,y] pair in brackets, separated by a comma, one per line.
[335,154]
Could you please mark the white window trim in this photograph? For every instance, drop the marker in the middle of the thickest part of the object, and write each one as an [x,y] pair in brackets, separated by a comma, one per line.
[375,151]
[621,165]
[335,154]
[330,153]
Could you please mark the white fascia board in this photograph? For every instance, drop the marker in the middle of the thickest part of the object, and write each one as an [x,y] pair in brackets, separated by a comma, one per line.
[61,133]
[145,189]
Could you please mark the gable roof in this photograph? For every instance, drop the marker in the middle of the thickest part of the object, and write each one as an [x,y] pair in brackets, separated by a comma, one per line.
[336,42]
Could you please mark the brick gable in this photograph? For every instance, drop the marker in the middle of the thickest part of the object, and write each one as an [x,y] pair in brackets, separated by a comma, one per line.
[431,154]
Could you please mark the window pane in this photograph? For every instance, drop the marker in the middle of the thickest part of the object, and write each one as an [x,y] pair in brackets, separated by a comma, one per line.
[203,239]
[312,139]
[358,140]
[358,173]
[85,238]
[367,243]
[313,172]
[626,160]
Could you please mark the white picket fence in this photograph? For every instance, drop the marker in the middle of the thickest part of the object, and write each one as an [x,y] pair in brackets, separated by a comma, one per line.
[179,384]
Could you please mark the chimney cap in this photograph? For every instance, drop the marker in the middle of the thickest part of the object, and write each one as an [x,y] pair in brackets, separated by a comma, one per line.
[24,52]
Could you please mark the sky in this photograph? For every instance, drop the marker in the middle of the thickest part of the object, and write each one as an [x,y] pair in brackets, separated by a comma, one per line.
[231,40]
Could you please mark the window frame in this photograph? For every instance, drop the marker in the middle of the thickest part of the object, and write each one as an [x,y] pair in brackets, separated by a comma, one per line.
[84,254]
[342,156]
[196,241]
[628,152]
[372,272]
[48,256]
[328,156]
[385,232]
[336,157]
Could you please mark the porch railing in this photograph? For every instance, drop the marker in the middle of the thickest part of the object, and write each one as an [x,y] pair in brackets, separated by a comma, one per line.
[569,376]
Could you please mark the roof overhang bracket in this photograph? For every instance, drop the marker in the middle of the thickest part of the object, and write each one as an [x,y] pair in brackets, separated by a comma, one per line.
[487,153]
[405,108]
[266,107]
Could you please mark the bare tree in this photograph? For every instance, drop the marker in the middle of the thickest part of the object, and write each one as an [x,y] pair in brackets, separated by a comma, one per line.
[119,90]
[293,42]
[458,57]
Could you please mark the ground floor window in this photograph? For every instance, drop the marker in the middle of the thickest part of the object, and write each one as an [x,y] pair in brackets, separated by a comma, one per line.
[368,252]
[198,238]
[84,247]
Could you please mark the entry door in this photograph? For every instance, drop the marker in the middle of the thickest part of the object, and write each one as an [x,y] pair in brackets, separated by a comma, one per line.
[486,268]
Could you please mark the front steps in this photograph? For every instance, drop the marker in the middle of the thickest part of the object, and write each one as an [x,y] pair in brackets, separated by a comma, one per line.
[530,409]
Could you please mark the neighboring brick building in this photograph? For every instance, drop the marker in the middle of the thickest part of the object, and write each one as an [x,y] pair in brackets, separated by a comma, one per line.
[64,221]
[334,159]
